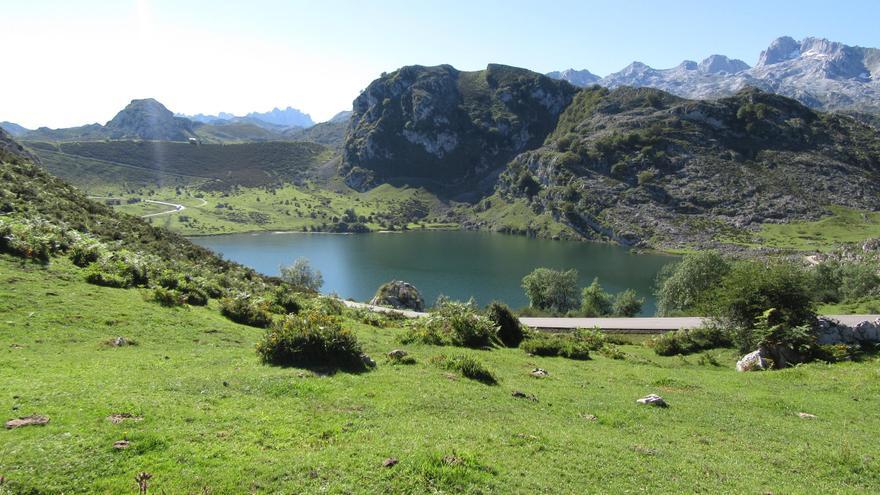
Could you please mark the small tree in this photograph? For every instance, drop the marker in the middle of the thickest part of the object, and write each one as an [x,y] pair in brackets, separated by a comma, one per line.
[627,304]
[302,276]
[595,301]
[510,332]
[552,290]
[682,287]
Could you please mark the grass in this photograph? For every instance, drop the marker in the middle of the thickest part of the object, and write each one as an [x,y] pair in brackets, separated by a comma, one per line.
[841,226]
[217,421]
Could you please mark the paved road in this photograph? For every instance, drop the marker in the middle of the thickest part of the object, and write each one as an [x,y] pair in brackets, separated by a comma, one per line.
[177,208]
[648,325]
[623,325]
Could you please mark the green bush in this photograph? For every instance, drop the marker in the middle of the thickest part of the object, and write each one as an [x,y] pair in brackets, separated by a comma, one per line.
[168,297]
[192,294]
[325,304]
[96,275]
[367,317]
[34,239]
[308,339]
[547,345]
[510,332]
[469,367]
[751,288]
[302,276]
[85,251]
[689,341]
[784,343]
[627,304]
[287,301]
[684,287]
[552,290]
[452,323]
[247,310]
[595,301]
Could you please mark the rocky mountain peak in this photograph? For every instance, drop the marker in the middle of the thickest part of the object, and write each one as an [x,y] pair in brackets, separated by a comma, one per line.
[720,64]
[780,50]
[577,77]
[149,119]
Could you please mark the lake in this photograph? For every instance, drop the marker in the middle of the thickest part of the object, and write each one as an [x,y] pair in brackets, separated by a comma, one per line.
[460,264]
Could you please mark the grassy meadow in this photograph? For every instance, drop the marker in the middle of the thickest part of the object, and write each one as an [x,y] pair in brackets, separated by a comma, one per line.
[216,421]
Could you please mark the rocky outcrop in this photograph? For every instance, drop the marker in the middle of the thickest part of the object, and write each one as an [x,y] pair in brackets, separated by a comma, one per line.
[148,119]
[643,167]
[10,150]
[399,295]
[447,129]
[832,332]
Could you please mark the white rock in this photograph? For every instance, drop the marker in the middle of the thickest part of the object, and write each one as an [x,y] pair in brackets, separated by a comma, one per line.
[653,400]
[752,361]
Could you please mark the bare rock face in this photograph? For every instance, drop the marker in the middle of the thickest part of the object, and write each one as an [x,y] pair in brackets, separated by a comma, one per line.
[832,332]
[399,295]
[446,128]
[653,400]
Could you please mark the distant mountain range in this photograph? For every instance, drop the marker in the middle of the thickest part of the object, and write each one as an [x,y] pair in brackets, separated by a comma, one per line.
[147,119]
[274,119]
[817,72]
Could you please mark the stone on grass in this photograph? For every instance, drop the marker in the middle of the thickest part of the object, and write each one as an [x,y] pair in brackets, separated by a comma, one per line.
[590,417]
[804,415]
[653,400]
[399,295]
[121,444]
[397,354]
[390,462]
[34,420]
[752,361]
[522,395]
[539,373]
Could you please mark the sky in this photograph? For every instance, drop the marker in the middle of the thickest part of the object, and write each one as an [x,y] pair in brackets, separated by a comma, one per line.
[67,63]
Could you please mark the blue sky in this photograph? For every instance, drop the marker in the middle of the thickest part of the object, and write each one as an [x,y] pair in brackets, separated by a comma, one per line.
[80,62]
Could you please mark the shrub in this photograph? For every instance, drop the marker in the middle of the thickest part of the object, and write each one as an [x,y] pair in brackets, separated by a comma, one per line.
[302,276]
[367,317]
[168,297]
[553,290]
[192,294]
[96,275]
[469,367]
[510,332]
[247,311]
[684,286]
[689,341]
[556,345]
[784,343]
[627,304]
[325,304]
[86,251]
[595,301]
[310,338]
[751,288]
[286,301]
[34,239]
[453,323]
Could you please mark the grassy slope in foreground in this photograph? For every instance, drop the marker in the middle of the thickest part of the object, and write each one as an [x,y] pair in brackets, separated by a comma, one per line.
[215,420]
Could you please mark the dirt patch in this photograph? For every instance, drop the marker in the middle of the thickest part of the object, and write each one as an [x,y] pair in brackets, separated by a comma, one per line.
[120,417]
[34,420]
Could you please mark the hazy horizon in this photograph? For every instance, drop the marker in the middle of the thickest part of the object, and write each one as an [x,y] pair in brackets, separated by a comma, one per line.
[79,64]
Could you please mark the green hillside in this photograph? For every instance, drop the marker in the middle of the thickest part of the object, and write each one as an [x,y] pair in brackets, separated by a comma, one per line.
[227,165]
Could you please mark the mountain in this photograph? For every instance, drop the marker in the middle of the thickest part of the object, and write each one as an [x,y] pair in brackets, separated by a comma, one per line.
[582,78]
[141,119]
[11,151]
[289,117]
[343,116]
[445,128]
[330,133]
[817,72]
[644,167]
[149,119]
[13,129]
